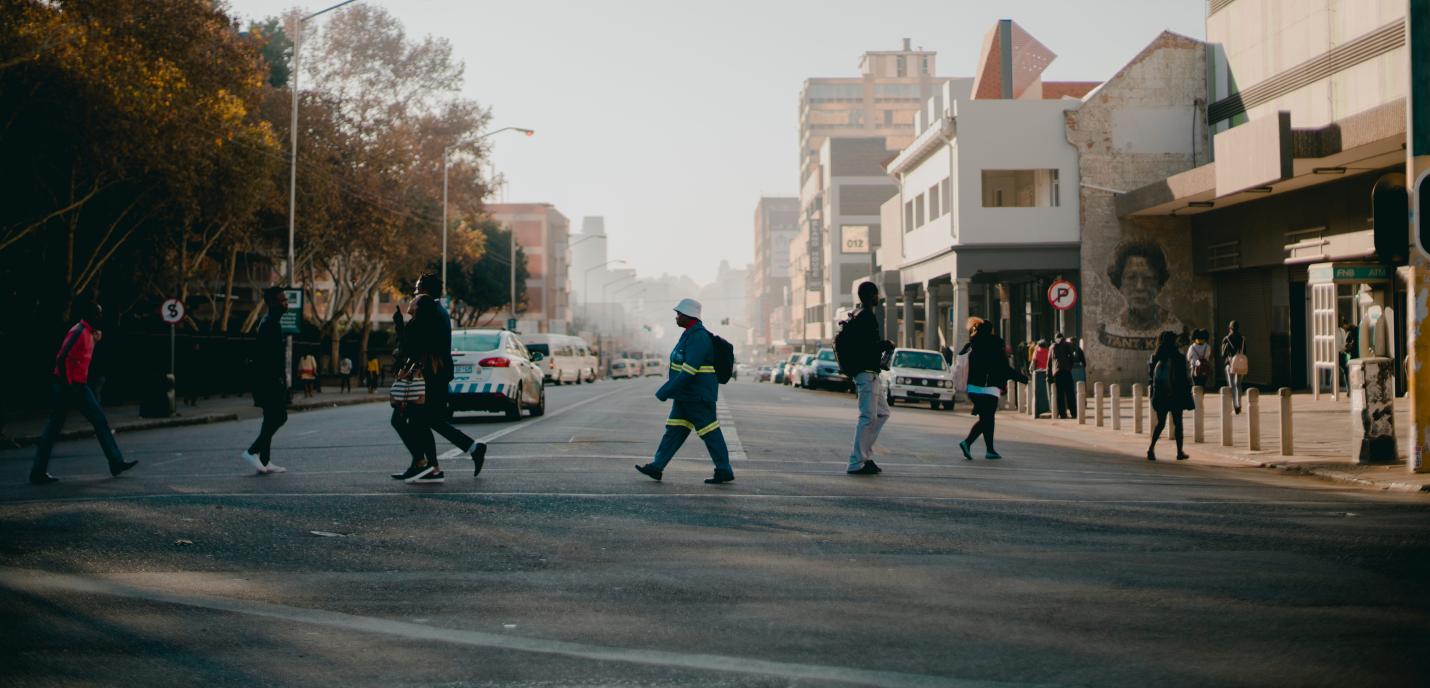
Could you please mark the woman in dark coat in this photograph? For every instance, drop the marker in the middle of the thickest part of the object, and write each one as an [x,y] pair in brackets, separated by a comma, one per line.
[988,373]
[1171,390]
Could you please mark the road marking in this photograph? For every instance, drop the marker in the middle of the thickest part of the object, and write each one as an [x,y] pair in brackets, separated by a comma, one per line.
[454,453]
[727,428]
[34,581]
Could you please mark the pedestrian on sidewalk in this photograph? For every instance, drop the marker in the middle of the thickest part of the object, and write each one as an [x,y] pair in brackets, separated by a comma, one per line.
[374,368]
[269,367]
[860,348]
[69,387]
[1063,385]
[1171,390]
[1233,354]
[345,371]
[1199,358]
[308,373]
[988,373]
[1079,363]
[1350,348]
[692,387]
[425,348]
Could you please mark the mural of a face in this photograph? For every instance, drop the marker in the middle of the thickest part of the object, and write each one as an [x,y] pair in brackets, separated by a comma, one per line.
[1139,271]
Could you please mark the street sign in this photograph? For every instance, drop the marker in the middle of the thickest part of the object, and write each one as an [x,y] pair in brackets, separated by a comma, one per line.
[511,324]
[291,320]
[1062,294]
[172,311]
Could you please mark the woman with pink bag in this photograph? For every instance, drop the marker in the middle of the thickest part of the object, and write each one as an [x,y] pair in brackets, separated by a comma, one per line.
[1233,352]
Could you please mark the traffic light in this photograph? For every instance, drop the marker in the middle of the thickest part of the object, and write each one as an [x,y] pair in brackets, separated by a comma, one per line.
[1390,212]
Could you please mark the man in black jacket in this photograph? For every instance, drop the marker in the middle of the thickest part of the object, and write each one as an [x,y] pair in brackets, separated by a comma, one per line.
[860,348]
[270,381]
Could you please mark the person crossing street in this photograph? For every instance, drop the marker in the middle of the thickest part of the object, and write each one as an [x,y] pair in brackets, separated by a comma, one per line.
[860,349]
[692,387]
[269,371]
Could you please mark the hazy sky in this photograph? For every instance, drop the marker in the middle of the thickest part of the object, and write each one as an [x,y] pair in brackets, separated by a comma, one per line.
[671,118]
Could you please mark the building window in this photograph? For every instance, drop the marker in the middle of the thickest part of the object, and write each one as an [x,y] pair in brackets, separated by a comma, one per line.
[902,68]
[888,118]
[935,210]
[856,117]
[945,192]
[919,211]
[908,216]
[925,66]
[1020,188]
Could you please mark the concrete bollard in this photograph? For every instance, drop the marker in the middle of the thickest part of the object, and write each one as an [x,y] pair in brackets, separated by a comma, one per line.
[1253,419]
[1082,403]
[1226,415]
[1137,408]
[1116,391]
[1287,448]
[1098,403]
[1199,415]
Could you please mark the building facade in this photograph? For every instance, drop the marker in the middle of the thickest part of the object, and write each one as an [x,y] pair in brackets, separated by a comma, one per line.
[543,233]
[776,225]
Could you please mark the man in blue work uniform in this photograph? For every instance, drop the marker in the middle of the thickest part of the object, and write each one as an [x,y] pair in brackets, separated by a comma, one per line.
[692,388]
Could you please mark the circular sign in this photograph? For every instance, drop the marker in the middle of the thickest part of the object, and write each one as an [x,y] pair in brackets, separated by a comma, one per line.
[1062,294]
[172,311]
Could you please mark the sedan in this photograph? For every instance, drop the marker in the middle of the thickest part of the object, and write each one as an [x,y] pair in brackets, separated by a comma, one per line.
[919,375]
[493,371]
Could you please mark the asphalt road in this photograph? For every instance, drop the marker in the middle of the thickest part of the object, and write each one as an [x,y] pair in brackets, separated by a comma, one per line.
[562,566]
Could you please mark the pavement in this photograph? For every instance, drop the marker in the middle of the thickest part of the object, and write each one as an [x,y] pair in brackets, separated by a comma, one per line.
[1063,564]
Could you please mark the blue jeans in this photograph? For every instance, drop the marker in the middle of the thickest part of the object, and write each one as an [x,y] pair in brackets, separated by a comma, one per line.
[81,396]
[873,413]
[698,417]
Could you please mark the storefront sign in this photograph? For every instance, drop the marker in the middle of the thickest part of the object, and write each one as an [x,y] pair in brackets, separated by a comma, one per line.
[854,238]
[290,320]
[1326,272]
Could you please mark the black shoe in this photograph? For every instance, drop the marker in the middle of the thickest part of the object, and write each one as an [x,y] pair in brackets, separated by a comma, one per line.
[409,473]
[1182,457]
[875,465]
[43,479]
[653,473]
[116,468]
[479,458]
[720,478]
[1151,456]
[867,469]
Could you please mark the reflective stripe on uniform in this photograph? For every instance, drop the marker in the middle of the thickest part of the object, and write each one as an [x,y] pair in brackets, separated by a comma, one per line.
[680,423]
[708,429]
[692,370]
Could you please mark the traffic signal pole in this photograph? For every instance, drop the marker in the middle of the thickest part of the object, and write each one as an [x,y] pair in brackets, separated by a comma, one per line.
[1417,170]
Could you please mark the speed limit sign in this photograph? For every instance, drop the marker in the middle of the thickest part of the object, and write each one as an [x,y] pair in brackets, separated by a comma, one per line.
[1062,295]
[172,311]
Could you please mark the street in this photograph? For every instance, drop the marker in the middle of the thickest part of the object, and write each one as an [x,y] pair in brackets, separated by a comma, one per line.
[561,565]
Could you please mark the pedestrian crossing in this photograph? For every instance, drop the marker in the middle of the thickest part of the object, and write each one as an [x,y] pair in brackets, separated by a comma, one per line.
[727,426]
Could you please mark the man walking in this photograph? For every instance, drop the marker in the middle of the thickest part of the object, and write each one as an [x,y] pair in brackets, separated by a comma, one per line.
[345,369]
[692,387]
[1063,391]
[270,382]
[860,349]
[70,387]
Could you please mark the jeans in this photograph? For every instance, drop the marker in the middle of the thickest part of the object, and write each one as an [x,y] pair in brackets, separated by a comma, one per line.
[873,413]
[81,396]
[275,414]
[1234,382]
[698,417]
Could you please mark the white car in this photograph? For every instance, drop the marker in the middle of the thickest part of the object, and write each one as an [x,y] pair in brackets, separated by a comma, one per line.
[493,371]
[625,368]
[565,359]
[919,375]
[653,367]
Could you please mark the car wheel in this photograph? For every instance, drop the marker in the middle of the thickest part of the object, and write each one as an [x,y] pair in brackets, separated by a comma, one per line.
[540,408]
[948,405]
[513,412]
[889,397]
[933,405]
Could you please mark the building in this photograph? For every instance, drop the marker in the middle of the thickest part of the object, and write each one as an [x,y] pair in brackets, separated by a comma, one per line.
[776,224]
[853,184]
[543,233]
[1306,105]
[588,257]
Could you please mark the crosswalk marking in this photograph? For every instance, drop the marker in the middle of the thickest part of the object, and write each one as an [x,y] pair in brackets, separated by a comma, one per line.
[727,426]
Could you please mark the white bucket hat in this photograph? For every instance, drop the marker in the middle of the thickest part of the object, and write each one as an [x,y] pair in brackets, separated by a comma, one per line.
[689,307]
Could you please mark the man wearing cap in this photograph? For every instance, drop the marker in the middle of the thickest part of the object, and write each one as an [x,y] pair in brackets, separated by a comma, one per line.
[692,388]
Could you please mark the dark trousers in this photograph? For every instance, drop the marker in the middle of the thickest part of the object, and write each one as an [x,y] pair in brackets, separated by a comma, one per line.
[1162,415]
[275,414]
[415,425]
[985,407]
[345,383]
[62,397]
[1065,394]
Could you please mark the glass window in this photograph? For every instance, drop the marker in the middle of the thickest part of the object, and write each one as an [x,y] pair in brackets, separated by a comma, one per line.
[826,355]
[935,211]
[888,118]
[919,211]
[908,216]
[476,341]
[902,66]
[945,193]
[925,360]
[1020,188]
[539,348]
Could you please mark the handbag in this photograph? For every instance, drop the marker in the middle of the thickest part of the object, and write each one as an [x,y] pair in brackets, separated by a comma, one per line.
[409,388]
[1239,364]
[960,373]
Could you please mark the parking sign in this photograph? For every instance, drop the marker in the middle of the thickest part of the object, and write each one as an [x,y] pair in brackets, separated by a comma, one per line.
[1062,294]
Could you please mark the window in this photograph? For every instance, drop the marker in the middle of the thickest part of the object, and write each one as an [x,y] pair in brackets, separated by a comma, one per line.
[919,211]
[856,117]
[476,341]
[888,118]
[1020,189]
[934,208]
[902,68]
[925,66]
[945,192]
[908,216]
[923,360]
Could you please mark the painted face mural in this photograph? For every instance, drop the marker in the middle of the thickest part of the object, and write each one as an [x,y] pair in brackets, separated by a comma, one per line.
[1139,271]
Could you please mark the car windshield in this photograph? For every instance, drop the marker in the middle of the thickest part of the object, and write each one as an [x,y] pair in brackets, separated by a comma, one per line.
[539,348]
[475,341]
[927,360]
[826,355]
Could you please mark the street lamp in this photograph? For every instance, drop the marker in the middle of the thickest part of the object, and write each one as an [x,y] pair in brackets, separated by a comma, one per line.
[586,281]
[445,151]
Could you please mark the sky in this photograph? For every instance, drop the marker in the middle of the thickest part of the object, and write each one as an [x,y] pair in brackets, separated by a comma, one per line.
[671,118]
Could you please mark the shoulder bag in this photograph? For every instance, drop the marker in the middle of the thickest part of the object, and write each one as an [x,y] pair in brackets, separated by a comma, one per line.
[409,388]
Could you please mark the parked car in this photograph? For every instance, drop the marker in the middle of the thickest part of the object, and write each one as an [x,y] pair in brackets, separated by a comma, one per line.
[919,375]
[765,373]
[492,370]
[566,358]
[801,369]
[778,375]
[625,368]
[791,364]
[653,366]
[824,372]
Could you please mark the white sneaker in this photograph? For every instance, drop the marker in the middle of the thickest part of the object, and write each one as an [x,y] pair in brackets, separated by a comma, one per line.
[274,468]
[252,460]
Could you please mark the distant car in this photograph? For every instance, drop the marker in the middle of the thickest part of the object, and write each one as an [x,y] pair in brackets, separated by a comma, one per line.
[765,373]
[791,364]
[493,371]
[824,372]
[919,375]
[778,375]
[800,375]
[652,367]
[624,368]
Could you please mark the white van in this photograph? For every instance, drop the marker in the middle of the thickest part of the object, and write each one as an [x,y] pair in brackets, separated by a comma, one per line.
[567,358]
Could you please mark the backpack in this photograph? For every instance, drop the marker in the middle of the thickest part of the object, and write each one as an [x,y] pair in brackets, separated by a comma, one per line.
[1162,381]
[724,358]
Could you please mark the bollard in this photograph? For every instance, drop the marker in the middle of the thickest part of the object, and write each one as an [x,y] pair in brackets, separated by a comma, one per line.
[1286,438]
[1116,390]
[1137,408]
[1226,414]
[1199,417]
[1253,419]
[1097,403]
[1082,403]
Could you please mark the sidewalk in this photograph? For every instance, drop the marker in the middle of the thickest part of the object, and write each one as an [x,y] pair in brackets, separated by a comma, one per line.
[1321,433]
[25,430]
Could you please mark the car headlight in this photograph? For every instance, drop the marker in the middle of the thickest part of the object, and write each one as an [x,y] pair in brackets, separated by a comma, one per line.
[902,380]
[947,383]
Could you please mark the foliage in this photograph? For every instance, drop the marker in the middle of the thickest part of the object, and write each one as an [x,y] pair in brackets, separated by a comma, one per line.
[482,290]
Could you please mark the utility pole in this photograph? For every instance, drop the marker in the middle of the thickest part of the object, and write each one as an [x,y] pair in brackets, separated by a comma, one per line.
[1417,174]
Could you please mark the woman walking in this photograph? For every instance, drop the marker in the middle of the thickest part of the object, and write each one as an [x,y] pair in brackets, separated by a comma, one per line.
[1199,359]
[1233,356]
[1171,391]
[308,373]
[988,373]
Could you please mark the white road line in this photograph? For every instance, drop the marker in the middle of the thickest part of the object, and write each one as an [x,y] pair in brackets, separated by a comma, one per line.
[727,427]
[44,581]
[454,453]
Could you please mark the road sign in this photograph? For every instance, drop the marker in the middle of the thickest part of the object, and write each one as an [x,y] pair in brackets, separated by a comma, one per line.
[511,324]
[1062,294]
[172,311]
[291,320]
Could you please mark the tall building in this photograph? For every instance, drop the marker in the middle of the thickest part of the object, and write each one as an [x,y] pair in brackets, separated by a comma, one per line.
[588,257]
[776,224]
[544,234]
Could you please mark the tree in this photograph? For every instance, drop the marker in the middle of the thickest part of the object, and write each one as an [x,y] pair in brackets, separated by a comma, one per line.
[481,290]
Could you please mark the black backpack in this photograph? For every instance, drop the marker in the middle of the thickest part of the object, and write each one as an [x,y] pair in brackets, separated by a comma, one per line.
[724,358]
